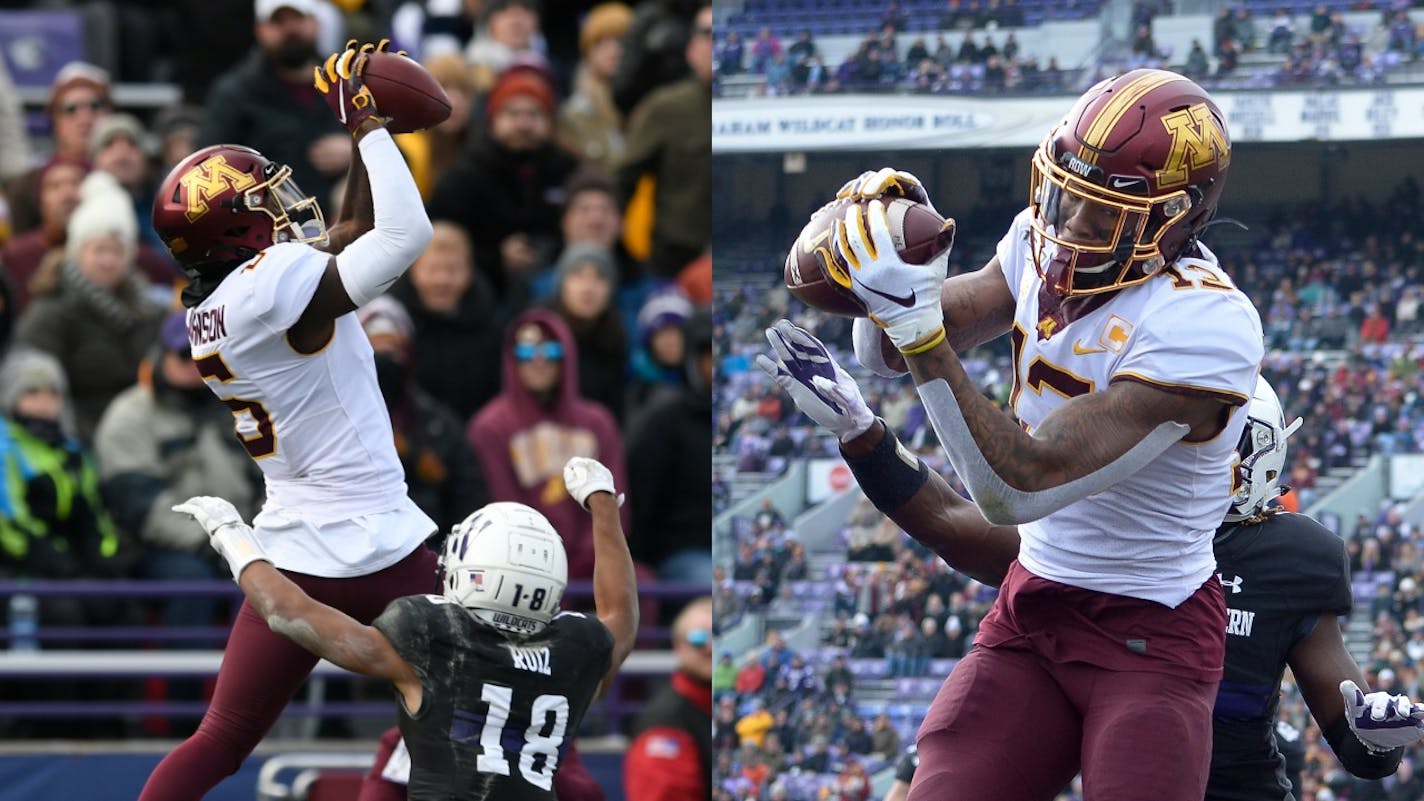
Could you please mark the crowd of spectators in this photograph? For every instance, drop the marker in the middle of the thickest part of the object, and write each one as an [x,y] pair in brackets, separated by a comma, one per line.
[958,59]
[973,50]
[561,308]
[1338,288]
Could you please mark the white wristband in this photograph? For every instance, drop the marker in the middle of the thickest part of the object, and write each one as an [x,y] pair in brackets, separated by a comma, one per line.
[239,546]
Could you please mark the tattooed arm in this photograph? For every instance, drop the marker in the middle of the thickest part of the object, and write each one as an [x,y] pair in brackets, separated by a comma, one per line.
[1085,446]
[978,306]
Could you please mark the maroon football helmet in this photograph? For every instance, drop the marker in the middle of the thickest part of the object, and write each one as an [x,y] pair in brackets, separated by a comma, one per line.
[1125,183]
[226,203]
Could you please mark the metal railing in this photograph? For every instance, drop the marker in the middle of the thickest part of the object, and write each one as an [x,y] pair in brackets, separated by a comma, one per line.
[148,659]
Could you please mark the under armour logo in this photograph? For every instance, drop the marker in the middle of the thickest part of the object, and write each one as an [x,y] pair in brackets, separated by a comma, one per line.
[1235,583]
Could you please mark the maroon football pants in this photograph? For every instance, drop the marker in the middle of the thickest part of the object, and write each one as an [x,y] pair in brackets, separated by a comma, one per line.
[262,670]
[1063,680]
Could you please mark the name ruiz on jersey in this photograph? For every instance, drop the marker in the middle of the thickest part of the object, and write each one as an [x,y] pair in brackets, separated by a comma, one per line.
[535,660]
[206,325]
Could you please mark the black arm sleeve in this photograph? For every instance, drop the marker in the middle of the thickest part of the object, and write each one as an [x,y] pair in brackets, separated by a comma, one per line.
[1358,759]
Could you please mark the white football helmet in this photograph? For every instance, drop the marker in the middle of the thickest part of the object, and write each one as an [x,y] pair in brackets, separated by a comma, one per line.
[506,564]
[1262,452]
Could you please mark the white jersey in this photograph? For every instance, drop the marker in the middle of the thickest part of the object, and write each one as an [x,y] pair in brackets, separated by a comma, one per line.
[316,424]
[1189,330]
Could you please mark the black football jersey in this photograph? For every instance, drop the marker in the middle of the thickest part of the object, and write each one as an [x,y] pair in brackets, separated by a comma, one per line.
[496,714]
[1279,577]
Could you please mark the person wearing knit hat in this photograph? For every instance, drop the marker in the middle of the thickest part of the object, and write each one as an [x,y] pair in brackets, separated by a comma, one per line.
[589,121]
[520,82]
[120,147]
[93,311]
[103,231]
[35,394]
[52,520]
[585,277]
[659,360]
[520,171]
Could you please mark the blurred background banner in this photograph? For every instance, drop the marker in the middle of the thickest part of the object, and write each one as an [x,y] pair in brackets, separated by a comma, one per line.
[860,122]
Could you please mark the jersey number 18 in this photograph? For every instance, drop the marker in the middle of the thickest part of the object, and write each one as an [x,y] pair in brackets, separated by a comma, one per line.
[491,756]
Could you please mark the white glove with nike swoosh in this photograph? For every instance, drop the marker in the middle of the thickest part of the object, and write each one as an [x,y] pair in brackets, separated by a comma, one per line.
[228,533]
[1383,722]
[903,299]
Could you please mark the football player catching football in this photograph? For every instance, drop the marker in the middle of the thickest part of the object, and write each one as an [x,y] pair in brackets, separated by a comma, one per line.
[1286,577]
[271,332]
[491,678]
[1132,353]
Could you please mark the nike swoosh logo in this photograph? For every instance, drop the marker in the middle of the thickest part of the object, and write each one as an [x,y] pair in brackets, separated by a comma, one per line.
[1079,350]
[1119,183]
[908,301]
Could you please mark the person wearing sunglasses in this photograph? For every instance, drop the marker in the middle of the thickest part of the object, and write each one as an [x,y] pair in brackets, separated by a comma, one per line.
[538,420]
[78,100]
[670,757]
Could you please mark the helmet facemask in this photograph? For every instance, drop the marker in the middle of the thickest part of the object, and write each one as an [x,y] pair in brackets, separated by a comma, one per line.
[296,217]
[1086,237]
[1261,455]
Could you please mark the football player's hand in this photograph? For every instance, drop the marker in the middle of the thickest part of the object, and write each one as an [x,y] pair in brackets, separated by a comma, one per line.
[339,81]
[885,182]
[1382,721]
[583,477]
[903,299]
[867,337]
[819,387]
[229,535]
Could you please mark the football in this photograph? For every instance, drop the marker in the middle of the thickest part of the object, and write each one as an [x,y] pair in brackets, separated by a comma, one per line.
[816,277]
[406,92]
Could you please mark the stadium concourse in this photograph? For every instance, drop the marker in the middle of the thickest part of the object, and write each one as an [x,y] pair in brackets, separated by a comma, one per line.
[846,627]
[561,113]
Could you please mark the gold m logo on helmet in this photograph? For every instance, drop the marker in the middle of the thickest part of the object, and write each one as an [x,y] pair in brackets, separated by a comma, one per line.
[207,180]
[1197,140]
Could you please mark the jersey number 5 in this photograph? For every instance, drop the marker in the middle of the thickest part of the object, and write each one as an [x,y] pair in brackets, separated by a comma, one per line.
[536,742]
[263,442]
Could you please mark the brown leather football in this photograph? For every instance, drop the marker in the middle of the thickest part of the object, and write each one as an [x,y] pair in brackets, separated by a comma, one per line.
[818,278]
[406,92]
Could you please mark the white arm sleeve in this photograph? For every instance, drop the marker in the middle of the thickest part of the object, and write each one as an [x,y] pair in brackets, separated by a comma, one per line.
[373,262]
[1005,505]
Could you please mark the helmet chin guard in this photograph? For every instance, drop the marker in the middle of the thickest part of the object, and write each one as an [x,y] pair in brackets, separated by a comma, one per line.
[506,564]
